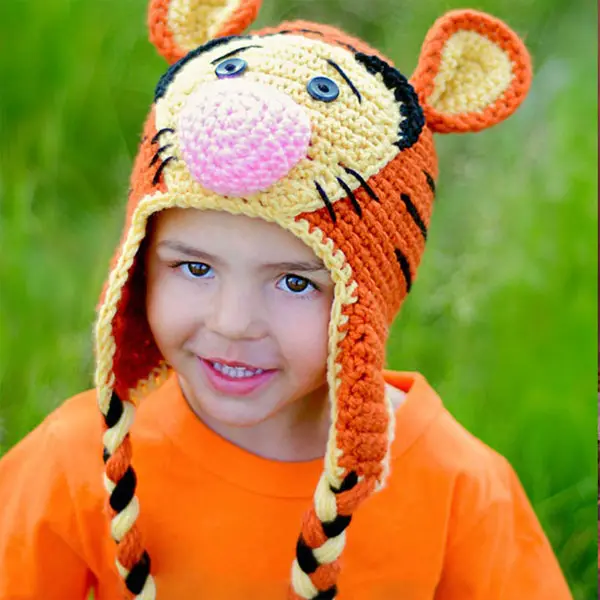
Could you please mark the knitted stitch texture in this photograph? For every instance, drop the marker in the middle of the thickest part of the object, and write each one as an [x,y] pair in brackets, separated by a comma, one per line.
[310,128]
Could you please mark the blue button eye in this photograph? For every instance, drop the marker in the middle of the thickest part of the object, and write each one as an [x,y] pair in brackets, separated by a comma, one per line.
[323,88]
[231,67]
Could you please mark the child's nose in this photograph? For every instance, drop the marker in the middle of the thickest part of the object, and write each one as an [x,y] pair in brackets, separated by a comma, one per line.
[236,312]
[239,137]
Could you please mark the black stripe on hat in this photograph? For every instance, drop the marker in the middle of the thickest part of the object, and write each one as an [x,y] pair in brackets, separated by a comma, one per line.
[124,490]
[414,213]
[430,181]
[139,573]
[403,261]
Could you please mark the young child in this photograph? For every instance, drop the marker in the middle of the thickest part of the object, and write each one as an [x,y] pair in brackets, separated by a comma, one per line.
[278,212]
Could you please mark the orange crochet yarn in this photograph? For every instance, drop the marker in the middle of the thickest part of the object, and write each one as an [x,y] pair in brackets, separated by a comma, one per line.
[355,181]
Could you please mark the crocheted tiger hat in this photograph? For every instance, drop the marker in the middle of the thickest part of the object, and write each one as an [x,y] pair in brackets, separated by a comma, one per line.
[310,128]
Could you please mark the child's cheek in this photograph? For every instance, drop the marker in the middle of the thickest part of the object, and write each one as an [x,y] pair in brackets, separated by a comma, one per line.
[174,308]
[301,331]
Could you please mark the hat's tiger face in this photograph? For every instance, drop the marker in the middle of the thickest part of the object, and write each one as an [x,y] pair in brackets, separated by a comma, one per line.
[346,118]
[281,126]
[317,112]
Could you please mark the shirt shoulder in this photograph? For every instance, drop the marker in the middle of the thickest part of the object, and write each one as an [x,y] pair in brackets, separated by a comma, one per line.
[71,439]
[448,447]
[456,481]
[437,452]
[73,425]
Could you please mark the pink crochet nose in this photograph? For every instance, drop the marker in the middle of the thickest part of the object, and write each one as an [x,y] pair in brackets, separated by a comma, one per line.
[239,137]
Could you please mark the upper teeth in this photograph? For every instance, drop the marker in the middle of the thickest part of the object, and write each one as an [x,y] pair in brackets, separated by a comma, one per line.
[236,371]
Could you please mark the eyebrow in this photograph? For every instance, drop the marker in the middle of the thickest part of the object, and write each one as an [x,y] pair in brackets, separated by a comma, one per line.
[295,266]
[236,51]
[346,78]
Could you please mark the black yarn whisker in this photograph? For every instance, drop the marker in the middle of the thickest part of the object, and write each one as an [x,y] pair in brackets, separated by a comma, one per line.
[351,195]
[160,169]
[156,137]
[157,154]
[363,183]
[327,202]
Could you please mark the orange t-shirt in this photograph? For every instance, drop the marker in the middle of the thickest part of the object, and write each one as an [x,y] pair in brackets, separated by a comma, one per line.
[221,524]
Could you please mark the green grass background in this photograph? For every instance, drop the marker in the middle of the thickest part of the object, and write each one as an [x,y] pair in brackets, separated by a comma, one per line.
[503,316]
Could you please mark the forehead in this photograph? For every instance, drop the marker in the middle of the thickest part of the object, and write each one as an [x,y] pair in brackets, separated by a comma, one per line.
[221,229]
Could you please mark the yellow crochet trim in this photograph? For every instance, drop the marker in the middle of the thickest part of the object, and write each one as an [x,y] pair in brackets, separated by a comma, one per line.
[357,135]
[474,73]
[158,376]
[193,22]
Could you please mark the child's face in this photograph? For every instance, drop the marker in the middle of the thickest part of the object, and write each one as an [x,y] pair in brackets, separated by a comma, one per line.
[218,288]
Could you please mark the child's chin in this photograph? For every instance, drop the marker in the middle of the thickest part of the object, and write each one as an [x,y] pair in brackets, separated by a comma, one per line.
[235,411]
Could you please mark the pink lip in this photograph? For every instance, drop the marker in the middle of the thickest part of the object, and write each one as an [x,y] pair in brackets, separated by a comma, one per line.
[234,387]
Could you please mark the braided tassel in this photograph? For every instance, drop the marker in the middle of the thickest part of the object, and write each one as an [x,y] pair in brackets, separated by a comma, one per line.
[316,567]
[133,562]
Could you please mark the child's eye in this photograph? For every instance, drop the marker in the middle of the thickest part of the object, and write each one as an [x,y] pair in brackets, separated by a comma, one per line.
[298,285]
[196,270]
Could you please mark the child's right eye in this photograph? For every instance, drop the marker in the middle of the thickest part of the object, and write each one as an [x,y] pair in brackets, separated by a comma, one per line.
[196,270]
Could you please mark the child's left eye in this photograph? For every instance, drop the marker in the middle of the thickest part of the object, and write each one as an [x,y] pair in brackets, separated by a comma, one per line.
[298,285]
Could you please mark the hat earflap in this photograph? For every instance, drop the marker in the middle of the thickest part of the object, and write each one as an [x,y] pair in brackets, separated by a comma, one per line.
[473,72]
[179,26]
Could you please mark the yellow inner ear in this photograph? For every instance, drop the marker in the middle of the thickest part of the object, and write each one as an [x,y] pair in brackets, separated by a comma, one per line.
[194,22]
[474,73]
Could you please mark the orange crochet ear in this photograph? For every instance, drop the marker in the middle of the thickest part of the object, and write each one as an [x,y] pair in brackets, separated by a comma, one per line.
[473,72]
[178,26]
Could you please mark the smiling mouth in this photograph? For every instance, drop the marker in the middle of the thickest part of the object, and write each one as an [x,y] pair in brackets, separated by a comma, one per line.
[235,370]
[235,381]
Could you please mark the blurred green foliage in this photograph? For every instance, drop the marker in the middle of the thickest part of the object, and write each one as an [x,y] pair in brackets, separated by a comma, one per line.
[502,319]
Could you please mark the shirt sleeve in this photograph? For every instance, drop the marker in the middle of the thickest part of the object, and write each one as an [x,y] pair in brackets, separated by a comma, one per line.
[40,555]
[503,553]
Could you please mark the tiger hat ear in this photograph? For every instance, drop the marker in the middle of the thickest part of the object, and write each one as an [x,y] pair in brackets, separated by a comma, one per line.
[473,72]
[178,26]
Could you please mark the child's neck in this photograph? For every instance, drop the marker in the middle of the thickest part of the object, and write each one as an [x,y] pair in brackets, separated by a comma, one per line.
[298,432]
